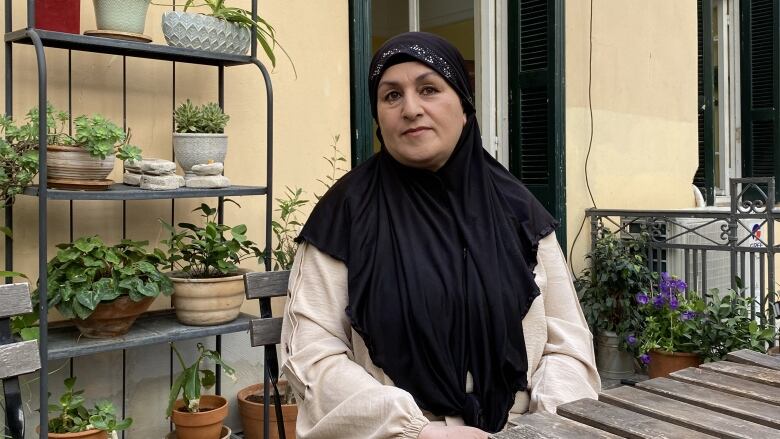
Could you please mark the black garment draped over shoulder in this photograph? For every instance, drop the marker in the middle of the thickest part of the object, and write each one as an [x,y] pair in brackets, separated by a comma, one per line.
[440,264]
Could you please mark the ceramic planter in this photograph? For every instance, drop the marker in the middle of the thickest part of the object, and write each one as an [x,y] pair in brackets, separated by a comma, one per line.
[202,32]
[663,363]
[75,164]
[198,149]
[121,15]
[58,15]
[206,424]
[112,319]
[250,407]
[612,362]
[89,434]
[206,302]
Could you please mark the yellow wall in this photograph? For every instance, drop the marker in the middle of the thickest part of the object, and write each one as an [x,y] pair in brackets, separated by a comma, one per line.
[644,96]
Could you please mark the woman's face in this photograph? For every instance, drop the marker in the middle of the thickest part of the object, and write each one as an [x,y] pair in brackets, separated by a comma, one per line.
[420,115]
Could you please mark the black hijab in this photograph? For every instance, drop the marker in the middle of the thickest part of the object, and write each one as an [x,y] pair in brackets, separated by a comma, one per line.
[440,264]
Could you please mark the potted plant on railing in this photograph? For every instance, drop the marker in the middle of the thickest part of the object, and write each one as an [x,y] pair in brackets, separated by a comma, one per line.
[104,288]
[208,285]
[198,416]
[200,135]
[224,29]
[74,420]
[84,160]
[618,271]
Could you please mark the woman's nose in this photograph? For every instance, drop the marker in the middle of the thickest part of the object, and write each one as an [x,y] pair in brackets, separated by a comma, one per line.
[411,106]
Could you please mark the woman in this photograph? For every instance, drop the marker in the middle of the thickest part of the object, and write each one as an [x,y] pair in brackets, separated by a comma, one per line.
[429,297]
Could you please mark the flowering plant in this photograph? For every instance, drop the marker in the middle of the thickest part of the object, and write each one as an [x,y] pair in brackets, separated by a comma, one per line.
[671,320]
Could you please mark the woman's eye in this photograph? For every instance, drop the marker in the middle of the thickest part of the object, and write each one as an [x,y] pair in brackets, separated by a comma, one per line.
[429,90]
[392,96]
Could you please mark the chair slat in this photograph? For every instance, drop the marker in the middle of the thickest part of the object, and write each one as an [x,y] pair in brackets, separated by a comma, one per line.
[19,358]
[266,331]
[265,284]
[14,299]
[754,358]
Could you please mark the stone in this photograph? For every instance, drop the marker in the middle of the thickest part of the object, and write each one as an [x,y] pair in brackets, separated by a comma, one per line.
[157,167]
[208,169]
[159,182]
[182,181]
[207,181]
[132,179]
[132,166]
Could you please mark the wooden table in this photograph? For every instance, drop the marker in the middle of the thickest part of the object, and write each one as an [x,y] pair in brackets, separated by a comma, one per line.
[736,398]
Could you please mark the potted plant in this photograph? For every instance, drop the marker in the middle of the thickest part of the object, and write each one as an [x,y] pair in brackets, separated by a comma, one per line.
[84,160]
[200,134]
[122,16]
[74,420]
[618,271]
[18,157]
[224,29]
[197,416]
[208,285]
[104,288]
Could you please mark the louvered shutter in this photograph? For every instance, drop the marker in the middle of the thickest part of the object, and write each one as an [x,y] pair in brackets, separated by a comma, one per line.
[760,91]
[704,178]
[536,99]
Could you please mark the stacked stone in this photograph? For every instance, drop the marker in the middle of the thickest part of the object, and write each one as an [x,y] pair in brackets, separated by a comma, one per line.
[207,176]
[152,174]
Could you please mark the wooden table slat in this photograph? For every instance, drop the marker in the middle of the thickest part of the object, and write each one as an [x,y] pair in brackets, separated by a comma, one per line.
[745,371]
[754,358]
[558,427]
[744,408]
[522,432]
[624,422]
[725,383]
[686,415]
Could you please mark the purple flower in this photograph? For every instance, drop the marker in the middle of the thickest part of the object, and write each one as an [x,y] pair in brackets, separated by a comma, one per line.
[680,285]
[658,301]
[644,358]
[687,315]
[641,298]
[631,340]
[673,303]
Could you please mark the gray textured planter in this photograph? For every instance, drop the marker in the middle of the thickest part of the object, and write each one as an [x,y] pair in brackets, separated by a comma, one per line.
[121,15]
[202,32]
[611,362]
[199,149]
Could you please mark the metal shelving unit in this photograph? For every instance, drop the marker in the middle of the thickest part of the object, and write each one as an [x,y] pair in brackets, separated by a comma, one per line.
[159,327]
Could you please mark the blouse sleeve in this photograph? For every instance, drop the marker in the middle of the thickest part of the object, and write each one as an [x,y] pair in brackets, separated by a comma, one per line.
[567,369]
[337,398]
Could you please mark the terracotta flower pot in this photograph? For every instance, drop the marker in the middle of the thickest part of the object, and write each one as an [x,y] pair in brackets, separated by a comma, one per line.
[250,407]
[112,319]
[205,302]
[663,363]
[89,434]
[74,163]
[206,424]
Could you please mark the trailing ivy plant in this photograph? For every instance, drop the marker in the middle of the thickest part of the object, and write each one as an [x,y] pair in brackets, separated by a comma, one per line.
[193,379]
[207,119]
[87,272]
[208,251]
[74,417]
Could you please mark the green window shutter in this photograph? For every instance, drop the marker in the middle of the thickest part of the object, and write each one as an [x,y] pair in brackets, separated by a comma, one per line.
[760,88]
[704,178]
[536,104]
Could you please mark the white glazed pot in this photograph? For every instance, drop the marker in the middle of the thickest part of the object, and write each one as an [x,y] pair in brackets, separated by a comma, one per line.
[121,15]
[198,149]
[203,32]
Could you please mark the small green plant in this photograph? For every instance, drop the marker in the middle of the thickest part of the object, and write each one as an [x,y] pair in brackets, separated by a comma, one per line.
[286,229]
[207,252]
[73,417]
[193,379]
[87,272]
[100,138]
[208,118]
[336,161]
[618,271]
[266,35]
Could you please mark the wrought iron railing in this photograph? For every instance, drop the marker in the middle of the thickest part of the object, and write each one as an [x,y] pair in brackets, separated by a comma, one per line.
[713,247]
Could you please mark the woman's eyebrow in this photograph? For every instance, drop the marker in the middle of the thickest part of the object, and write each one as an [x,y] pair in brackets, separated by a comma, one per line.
[419,78]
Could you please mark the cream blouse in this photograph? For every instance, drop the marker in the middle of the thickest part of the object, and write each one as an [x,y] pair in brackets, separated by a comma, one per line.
[342,394]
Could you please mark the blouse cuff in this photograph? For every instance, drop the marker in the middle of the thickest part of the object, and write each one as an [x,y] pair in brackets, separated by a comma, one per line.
[413,429]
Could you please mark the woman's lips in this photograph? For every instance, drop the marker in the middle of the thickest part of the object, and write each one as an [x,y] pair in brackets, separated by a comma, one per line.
[415,131]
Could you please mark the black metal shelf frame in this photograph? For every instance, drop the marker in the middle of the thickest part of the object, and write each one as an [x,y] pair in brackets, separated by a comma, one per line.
[41,38]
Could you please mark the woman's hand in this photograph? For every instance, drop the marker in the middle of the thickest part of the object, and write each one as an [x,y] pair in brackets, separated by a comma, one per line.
[436,432]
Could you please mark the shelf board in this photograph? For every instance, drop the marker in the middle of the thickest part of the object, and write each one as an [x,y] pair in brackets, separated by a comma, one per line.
[156,327]
[110,46]
[120,191]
